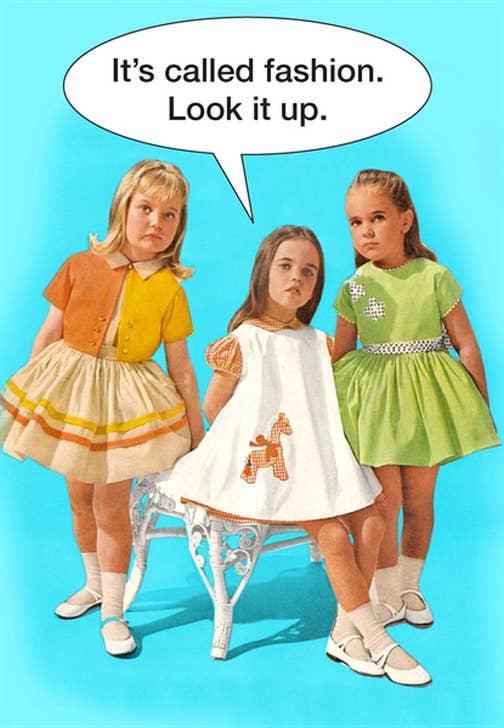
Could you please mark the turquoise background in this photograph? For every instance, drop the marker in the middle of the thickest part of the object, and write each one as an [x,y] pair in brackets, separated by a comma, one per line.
[58,176]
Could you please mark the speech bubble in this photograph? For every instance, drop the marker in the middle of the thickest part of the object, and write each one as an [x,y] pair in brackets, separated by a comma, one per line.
[240,86]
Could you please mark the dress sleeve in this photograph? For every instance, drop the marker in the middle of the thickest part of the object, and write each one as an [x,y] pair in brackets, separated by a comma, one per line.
[225,355]
[177,324]
[344,305]
[448,291]
[59,289]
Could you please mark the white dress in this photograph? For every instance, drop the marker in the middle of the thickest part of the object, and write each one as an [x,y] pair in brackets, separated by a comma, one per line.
[276,451]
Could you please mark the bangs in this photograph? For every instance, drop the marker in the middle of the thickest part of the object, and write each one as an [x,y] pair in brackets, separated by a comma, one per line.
[163,186]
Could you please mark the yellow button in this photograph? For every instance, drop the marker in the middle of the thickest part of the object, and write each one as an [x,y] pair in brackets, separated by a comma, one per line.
[124,351]
[130,266]
[129,325]
[101,318]
[126,338]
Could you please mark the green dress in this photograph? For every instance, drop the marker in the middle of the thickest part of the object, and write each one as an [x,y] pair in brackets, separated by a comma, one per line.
[404,400]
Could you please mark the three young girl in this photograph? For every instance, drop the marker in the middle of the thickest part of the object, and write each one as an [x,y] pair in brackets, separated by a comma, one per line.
[407,406]
[90,404]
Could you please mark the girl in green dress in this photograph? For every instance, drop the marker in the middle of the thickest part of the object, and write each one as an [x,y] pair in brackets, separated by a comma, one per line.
[407,406]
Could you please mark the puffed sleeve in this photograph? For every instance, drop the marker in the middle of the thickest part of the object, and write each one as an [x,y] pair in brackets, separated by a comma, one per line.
[448,291]
[343,303]
[177,324]
[59,289]
[225,355]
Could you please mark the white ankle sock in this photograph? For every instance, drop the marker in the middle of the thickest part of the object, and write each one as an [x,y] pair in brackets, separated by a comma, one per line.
[93,573]
[344,627]
[376,638]
[387,586]
[410,571]
[113,586]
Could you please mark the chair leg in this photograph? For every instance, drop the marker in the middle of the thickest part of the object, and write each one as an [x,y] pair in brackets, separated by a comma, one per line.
[142,519]
[223,625]
[315,555]
[223,609]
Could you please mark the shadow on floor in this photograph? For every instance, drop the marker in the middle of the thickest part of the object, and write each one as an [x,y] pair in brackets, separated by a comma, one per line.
[303,595]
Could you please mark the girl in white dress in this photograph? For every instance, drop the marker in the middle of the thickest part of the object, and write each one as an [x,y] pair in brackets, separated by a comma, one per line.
[275,453]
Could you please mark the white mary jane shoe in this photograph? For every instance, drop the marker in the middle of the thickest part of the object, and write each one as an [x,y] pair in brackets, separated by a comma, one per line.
[418,617]
[412,677]
[336,651]
[118,647]
[65,610]
[396,615]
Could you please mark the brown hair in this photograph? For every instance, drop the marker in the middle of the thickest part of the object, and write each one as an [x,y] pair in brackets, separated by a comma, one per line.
[149,177]
[396,188]
[255,303]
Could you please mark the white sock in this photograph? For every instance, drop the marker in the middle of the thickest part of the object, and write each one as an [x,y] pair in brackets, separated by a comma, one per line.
[410,571]
[388,591]
[93,573]
[376,638]
[93,580]
[113,586]
[343,627]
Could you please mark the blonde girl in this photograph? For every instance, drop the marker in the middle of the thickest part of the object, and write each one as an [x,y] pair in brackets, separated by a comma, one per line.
[407,406]
[275,453]
[91,404]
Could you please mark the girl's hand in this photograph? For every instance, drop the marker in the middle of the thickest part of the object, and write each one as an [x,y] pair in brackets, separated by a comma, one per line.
[50,331]
[464,342]
[345,338]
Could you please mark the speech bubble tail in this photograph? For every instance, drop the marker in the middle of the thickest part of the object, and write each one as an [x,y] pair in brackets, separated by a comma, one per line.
[233,168]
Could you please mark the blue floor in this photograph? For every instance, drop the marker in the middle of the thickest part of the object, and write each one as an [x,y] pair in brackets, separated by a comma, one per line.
[56,673]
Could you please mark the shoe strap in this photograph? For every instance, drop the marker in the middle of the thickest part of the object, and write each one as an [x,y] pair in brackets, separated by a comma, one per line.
[346,640]
[380,658]
[393,611]
[416,593]
[94,594]
[107,620]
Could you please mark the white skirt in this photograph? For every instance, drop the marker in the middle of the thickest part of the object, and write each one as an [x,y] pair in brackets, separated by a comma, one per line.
[276,452]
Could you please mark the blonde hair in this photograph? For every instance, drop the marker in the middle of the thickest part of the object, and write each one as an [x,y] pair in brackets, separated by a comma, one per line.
[257,298]
[396,188]
[162,181]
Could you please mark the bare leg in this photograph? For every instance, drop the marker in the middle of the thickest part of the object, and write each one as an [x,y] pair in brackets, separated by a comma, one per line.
[345,577]
[418,509]
[84,527]
[111,508]
[367,528]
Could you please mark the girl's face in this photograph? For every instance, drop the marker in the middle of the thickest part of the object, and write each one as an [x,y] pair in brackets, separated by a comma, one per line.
[377,226]
[292,277]
[151,225]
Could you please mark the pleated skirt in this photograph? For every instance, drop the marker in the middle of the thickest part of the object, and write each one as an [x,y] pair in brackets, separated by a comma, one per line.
[411,409]
[96,420]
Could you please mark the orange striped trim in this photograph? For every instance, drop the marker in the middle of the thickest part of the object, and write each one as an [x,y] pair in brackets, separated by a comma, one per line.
[86,424]
[85,442]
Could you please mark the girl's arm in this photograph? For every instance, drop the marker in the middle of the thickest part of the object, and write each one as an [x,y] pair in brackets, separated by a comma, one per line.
[50,331]
[345,338]
[182,372]
[219,391]
[465,344]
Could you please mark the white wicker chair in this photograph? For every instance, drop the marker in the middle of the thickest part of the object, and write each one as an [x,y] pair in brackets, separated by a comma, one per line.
[215,545]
